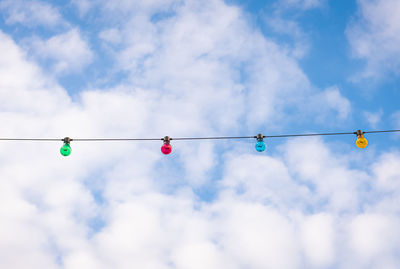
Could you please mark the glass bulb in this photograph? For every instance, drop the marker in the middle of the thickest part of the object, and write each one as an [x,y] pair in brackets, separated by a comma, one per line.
[361,142]
[260,146]
[65,150]
[166,149]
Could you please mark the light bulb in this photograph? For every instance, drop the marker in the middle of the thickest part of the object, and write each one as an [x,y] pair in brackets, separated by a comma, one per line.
[361,142]
[260,146]
[166,149]
[65,150]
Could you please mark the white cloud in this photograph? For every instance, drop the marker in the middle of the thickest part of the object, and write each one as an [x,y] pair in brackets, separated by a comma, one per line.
[22,83]
[144,7]
[374,36]
[69,52]
[396,119]
[373,118]
[256,236]
[298,209]
[210,60]
[374,237]
[83,5]
[198,160]
[301,4]
[328,101]
[31,13]
[334,182]
[387,174]
[291,28]
[263,185]
[318,235]
[111,35]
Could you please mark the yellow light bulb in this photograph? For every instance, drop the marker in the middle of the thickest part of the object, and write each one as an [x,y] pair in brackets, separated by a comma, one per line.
[361,142]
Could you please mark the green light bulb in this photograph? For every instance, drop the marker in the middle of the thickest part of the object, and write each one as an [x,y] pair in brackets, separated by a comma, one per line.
[65,150]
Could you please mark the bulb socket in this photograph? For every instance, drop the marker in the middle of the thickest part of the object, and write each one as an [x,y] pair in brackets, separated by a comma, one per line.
[167,140]
[67,140]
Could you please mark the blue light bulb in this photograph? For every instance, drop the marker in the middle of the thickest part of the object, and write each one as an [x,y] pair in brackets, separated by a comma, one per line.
[260,146]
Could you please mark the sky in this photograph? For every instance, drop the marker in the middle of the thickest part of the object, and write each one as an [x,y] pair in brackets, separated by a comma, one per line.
[184,68]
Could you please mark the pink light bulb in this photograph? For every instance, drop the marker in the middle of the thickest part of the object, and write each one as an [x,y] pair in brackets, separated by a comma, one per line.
[166,149]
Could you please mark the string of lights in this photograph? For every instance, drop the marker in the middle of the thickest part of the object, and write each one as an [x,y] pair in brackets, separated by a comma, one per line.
[166,148]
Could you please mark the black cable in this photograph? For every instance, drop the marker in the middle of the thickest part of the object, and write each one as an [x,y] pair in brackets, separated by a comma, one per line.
[316,134]
[31,139]
[116,139]
[192,138]
[212,138]
[385,131]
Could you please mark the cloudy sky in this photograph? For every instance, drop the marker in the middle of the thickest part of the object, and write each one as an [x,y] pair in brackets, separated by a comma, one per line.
[130,68]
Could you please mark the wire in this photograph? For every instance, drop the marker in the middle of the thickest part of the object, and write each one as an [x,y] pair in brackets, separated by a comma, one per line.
[116,139]
[30,139]
[385,131]
[193,138]
[316,134]
[213,138]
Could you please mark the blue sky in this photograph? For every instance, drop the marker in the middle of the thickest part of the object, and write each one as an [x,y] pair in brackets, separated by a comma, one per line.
[95,68]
